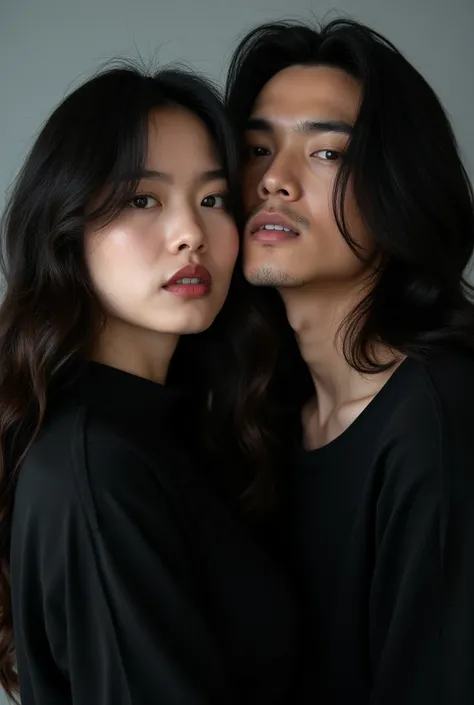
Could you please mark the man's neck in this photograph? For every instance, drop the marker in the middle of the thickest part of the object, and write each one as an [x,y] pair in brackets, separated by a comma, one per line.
[341,393]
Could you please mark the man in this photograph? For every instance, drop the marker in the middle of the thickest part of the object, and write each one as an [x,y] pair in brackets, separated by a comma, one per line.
[361,215]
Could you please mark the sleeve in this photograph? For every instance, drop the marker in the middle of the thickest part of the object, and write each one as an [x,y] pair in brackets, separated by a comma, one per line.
[114,592]
[422,596]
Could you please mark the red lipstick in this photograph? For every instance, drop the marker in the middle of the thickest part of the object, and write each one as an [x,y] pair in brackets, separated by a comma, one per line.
[190,282]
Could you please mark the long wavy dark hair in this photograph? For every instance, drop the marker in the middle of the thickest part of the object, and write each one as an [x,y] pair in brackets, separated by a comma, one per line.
[408,179]
[98,138]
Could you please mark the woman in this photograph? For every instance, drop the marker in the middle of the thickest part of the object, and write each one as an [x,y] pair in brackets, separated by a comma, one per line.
[133,581]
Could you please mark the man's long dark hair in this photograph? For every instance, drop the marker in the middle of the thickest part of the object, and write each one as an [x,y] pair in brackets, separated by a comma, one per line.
[409,183]
[95,142]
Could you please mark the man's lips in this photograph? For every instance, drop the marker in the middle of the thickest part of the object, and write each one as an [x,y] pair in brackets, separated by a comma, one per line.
[271,227]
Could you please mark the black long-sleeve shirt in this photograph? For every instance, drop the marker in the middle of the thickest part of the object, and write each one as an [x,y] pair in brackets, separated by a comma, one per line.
[383,529]
[133,583]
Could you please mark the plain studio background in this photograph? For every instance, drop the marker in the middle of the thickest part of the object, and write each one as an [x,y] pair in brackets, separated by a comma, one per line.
[48,47]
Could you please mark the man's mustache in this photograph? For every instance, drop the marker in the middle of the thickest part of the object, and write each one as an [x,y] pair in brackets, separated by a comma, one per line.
[293,216]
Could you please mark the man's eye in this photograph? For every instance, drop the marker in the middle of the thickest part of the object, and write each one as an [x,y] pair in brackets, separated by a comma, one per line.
[329,155]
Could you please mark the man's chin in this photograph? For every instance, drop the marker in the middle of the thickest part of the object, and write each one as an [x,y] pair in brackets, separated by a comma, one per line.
[269,276]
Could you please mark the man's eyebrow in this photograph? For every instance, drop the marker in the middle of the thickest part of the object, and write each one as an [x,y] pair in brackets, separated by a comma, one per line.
[339,126]
[259,125]
[204,178]
[303,126]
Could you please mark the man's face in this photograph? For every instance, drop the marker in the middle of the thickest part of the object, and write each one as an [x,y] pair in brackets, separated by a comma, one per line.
[299,127]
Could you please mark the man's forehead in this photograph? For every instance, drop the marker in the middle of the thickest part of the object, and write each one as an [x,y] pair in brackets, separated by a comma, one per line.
[309,93]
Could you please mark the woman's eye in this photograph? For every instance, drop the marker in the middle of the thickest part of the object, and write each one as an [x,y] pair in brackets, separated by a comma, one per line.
[214,201]
[329,155]
[143,202]
[259,152]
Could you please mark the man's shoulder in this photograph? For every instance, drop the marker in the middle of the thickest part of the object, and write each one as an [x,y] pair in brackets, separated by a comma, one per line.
[451,369]
[441,385]
[426,445]
[432,408]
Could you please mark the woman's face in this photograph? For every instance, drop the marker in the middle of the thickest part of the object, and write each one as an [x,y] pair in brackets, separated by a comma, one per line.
[165,263]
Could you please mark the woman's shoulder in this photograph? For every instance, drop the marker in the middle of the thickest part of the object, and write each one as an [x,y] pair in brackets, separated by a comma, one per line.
[69,427]
[83,482]
[99,448]
[76,444]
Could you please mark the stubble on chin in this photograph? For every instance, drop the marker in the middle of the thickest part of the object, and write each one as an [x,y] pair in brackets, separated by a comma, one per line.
[271,276]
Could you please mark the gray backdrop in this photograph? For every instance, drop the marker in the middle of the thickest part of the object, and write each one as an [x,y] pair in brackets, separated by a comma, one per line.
[48,46]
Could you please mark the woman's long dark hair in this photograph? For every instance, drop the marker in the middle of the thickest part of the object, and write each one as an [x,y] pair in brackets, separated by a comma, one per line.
[409,182]
[98,138]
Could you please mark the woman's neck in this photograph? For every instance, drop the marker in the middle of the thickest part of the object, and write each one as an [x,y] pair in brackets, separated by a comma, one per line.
[141,352]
